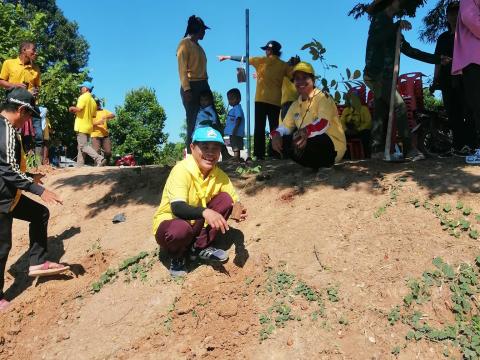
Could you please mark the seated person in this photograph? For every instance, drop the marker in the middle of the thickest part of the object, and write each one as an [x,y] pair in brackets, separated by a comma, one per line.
[318,139]
[197,201]
[357,121]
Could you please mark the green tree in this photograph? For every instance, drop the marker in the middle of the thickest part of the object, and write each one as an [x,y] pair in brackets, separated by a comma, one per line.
[219,104]
[138,126]
[170,154]
[62,52]
[430,102]
[60,40]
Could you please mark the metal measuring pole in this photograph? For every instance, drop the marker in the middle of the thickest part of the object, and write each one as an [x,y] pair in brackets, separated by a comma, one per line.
[388,140]
[247,72]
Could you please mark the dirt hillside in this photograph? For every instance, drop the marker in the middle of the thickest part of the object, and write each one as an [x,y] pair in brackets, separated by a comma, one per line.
[314,273]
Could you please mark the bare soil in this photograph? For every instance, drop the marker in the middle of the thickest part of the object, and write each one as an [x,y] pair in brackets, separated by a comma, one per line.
[352,229]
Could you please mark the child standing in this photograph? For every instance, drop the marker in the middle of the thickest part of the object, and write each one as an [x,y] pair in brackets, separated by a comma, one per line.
[235,123]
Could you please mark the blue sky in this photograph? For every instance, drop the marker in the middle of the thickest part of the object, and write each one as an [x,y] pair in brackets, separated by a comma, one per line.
[133,43]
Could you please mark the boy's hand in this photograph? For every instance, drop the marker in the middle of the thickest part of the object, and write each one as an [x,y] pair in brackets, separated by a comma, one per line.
[277,143]
[50,197]
[215,220]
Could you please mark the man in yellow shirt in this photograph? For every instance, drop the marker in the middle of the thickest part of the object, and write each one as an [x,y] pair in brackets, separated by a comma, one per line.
[22,72]
[197,200]
[192,70]
[100,139]
[85,111]
[311,133]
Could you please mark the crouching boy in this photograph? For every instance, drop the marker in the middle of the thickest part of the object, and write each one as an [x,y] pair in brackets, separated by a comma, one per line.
[197,201]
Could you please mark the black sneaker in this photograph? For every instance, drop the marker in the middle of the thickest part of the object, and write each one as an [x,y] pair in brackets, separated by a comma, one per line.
[209,254]
[177,267]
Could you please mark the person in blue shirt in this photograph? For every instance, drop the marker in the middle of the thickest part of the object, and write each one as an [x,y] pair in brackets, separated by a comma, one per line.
[235,123]
[206,116]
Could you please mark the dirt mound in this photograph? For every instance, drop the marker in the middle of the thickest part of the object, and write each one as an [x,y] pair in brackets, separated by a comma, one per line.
[317,271]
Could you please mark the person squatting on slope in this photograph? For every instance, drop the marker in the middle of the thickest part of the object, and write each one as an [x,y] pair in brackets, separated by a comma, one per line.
[197,201]
[311,133]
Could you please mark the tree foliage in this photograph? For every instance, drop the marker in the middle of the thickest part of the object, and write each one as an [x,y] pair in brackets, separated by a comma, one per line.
[220,107]
[433,23]
[60,39]
[62,53]
[138,126]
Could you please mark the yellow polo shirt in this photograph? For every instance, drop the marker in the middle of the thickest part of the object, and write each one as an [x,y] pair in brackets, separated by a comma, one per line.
[270,73]
[319,106]
[186,183]
[84,118]
[361,120]
[289,91]
[100,130]
[14,71]
[192,62]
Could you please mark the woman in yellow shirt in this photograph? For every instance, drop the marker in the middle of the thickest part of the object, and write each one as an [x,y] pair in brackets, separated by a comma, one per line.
[270,73]
[192,70]
[311,133]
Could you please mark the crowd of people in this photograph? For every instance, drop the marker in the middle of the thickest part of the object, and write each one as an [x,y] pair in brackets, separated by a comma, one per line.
[304,125]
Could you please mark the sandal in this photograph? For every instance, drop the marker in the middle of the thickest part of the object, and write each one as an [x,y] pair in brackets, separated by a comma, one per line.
[48,268]
[4,304]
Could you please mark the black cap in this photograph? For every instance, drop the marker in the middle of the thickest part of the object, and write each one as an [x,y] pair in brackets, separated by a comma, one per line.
[22,97]
[273,45]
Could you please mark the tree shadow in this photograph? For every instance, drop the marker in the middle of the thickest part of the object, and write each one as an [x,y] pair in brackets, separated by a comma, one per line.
[130,185]
[436,176]
[56,249]
[222,241]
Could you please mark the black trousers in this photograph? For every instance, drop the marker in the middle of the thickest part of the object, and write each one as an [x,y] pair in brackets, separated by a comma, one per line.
[471,82]
[318,153]
[459,119]
[191,107]
[262,111]
[37,215]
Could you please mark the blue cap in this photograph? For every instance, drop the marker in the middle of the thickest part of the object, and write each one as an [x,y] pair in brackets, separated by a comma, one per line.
[207,133]
[87,84]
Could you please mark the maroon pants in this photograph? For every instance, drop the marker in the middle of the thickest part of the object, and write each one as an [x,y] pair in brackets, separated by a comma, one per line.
[177,235]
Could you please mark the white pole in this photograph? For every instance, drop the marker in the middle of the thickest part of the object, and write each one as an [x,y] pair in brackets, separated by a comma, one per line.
[388,140]
[247,72]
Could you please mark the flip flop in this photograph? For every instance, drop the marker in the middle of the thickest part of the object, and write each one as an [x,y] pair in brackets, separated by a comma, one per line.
[48,268]
[4,304]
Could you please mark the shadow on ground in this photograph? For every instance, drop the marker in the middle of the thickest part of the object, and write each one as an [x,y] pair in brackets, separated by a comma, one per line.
[437,176]
[56,249]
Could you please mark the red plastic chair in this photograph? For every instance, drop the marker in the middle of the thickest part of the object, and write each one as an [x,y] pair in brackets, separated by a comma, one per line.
[355,148]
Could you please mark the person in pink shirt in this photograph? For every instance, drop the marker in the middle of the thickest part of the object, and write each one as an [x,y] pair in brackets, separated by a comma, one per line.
[466,61]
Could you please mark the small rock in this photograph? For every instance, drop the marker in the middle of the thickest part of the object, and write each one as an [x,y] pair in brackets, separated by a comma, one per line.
[185,350]
[371,339]
[66,337]
[290,342]
[228,310]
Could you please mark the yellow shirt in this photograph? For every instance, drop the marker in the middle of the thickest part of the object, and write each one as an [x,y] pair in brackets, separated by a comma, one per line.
[186,183]
[192,62]
[23,169]
[359,120]
[14,71]
[289,91]
[319,106]
[270,73]
[84,119]
[100,130]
